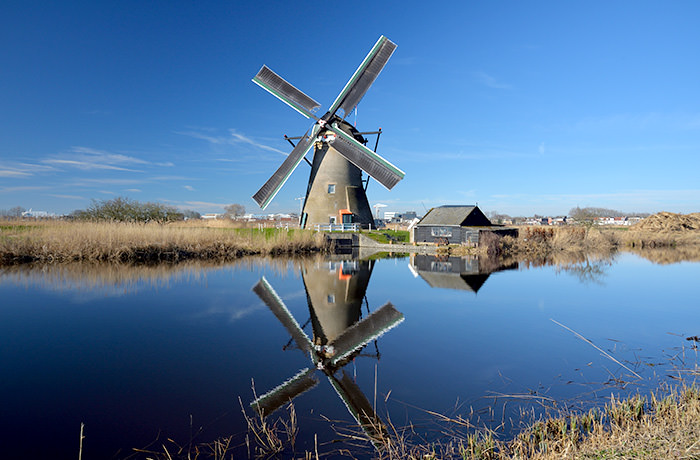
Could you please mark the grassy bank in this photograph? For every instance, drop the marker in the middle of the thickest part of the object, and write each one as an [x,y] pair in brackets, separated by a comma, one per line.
[664,424]
[60,241]
[641,427]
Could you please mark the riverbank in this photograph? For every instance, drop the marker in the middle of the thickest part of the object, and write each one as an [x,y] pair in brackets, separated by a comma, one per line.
[62,242]
[664,424]
[24,241]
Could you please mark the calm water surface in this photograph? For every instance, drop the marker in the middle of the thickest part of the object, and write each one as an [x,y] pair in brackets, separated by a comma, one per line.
[139,354]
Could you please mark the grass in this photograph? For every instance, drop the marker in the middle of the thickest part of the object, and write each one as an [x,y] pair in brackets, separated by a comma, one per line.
[389,236]
[664,424]
[62,241]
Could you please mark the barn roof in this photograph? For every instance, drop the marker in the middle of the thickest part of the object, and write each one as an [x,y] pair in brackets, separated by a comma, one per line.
[455,215]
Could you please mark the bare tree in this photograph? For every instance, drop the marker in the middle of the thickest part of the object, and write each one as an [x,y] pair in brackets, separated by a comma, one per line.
[234,210]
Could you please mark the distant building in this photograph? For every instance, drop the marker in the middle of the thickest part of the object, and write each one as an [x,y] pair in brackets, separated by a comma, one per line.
[455,225]
[37,214]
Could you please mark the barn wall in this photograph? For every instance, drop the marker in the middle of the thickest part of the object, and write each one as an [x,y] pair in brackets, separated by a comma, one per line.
[459,235]
[426,234]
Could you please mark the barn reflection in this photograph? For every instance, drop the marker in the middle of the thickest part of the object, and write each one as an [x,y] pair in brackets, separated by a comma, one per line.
[468,273]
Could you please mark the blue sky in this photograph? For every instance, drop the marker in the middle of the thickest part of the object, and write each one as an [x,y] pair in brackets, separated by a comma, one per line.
[521,107]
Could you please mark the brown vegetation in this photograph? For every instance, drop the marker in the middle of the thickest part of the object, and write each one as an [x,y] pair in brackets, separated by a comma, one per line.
[662,230]
[62,241]
[669,222]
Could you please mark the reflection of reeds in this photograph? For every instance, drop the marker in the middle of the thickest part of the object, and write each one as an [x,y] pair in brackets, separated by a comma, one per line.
[571,245]
[60,241]
[125,276]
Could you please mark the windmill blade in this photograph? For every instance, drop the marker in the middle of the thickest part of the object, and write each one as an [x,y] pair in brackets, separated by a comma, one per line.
[361,333]
[273,185]
[361,410]
[284,91]
[268,295]
[364,76]
[282,394]
[384,172]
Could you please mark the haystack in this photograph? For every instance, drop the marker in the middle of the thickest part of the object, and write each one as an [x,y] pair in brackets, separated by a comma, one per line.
[670,222]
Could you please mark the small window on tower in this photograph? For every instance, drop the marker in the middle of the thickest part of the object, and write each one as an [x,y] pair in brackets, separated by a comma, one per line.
[331,188]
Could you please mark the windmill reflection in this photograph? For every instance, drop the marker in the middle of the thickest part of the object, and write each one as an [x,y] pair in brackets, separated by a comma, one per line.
[468,273]
[335,292]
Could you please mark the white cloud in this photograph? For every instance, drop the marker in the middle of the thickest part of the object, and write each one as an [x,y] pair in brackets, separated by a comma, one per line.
[67,197]
[13,173]
[189,187]
[87,165]
[234,139]
[87,158]
[22,189]
[22,170]
[241,138]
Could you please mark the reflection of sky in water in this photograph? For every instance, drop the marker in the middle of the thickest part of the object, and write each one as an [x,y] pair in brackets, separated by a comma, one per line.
[128,362]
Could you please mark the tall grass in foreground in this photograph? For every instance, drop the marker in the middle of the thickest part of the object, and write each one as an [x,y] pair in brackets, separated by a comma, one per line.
[666,424]
[60,241]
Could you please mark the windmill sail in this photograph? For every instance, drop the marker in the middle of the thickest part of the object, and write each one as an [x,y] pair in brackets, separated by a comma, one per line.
[361,333]
[268,295]
[380,169]
[284,91]
[273,185]
[364,76]
[277,397]
[361,410]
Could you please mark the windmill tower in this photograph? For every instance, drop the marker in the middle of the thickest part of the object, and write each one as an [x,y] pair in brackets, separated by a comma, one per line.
[336,190]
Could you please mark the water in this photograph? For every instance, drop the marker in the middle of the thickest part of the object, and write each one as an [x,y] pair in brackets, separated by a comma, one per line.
[151,353]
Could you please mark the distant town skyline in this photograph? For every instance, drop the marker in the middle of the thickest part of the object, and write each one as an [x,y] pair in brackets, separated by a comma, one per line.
[522,108]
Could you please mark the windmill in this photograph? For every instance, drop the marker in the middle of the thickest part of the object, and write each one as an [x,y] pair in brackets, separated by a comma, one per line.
[338,337]
[336,192]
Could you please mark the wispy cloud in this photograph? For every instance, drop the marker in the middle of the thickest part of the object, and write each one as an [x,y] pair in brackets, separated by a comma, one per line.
[88,182]
[13,173]
[20,170]
[135,190]
[233,138]
[67,197]
[246,140]
[168,178]
[27,188]
[189,187]
[87,158]
[491,81]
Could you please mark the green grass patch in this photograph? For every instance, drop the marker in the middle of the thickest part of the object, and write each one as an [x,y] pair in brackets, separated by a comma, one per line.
[388,255]
[388,236]
[267,233]
[15,228]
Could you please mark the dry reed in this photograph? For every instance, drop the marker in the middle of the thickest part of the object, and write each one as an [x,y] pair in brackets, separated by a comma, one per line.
[61,241]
